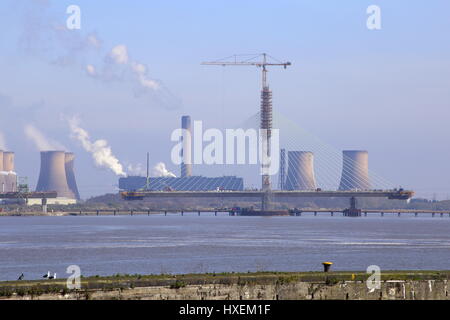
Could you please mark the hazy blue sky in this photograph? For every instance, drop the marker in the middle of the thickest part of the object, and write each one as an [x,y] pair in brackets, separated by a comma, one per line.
[386,91]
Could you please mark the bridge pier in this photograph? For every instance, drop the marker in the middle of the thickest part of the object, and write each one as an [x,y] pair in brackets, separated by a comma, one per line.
[398,214]
[382,214]
[199,213]
[416,214]
[165,213]
[332,213]
[215,213]
[365,213]
[182,213]
[352,211]
[44,205]
[432,214]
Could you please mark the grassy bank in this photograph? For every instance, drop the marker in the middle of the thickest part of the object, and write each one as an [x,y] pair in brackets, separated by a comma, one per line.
[121,281]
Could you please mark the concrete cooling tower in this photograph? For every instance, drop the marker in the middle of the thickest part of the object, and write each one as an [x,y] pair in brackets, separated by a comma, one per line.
[70,174]
[8,168]
[300,175]
[186,165]
[52,176]
[355,170]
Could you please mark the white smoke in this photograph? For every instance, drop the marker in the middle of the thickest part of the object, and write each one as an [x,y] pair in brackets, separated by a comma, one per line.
[160,170]
[99,149]
[2,142]
[119,54]
[41,142]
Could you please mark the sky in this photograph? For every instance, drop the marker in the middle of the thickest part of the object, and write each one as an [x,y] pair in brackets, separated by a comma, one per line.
[134,68]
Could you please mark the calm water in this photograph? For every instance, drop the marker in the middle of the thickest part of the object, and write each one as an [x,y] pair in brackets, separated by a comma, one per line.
[180,244]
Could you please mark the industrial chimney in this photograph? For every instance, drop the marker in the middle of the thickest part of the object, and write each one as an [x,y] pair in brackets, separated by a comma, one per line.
[70,174]
[186,165]
[355,170]
[300,174]
[53,174]
[8,168]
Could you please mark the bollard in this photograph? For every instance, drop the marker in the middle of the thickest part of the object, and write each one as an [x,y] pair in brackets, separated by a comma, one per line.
[315,213]
[398,214]
[215,213]
[326,266]
[148,212]
[415,214]
[97,212]
[382,214]
[165,213]
[332,213]
[131,212]
[182,213]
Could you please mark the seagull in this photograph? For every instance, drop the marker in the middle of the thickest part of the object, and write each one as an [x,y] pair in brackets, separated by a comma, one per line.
[46,275]
[21,277]
[53,276]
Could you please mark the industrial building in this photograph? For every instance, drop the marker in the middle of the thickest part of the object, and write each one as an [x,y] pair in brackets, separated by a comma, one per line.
[57,174]
[8,177]
[187,182]
[192,183]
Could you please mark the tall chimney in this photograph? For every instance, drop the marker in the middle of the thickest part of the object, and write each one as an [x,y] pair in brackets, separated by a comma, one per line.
[355,170]
[52,176]
[186,165]
[70,174]
[2,174]
[300,171]
[8,167]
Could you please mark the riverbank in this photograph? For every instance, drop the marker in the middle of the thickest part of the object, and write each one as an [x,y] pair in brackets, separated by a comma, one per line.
[395,285]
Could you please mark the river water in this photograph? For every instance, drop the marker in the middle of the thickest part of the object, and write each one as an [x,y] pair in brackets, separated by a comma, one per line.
[106,245]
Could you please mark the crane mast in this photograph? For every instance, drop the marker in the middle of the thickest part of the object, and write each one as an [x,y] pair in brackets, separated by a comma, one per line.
[265,114]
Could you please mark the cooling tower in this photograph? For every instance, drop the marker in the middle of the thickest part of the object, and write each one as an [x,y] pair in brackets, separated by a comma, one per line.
[8,167]
[53,174]
[70,174]
[186,165]
[355,170]
[300,175]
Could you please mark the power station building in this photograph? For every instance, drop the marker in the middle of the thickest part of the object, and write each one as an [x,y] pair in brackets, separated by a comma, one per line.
[192,183]
[8,177]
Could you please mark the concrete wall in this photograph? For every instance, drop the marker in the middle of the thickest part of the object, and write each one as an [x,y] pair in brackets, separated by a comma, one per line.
[344,290]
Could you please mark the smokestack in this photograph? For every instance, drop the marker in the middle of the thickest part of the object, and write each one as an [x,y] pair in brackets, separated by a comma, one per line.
[282,173]
[52,176]
[70,174]
[300,171]
[8,167]
[186,165]
[2,174]
[355,170]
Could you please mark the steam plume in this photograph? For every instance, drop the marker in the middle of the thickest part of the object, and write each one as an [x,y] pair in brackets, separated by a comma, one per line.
[41,142]
[99,149]
[160,170]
